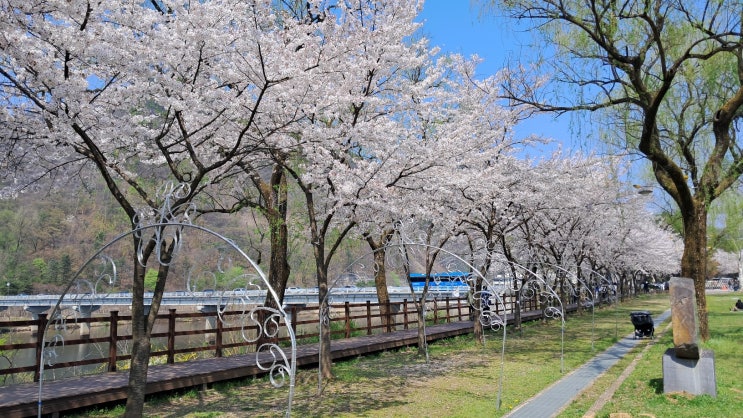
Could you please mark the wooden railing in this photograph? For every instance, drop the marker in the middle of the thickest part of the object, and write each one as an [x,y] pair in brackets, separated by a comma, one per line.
[219,336]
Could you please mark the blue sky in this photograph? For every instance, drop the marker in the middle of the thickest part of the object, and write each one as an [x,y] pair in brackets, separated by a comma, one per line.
[458,26]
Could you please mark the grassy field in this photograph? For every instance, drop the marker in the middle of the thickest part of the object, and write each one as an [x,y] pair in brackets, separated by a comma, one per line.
[462,377]
[641,394]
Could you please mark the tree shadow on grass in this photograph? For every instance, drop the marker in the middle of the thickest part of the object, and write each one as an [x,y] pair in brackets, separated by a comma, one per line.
[656,385]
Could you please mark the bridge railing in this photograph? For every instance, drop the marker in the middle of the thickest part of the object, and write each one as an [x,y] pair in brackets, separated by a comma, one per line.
[102,342]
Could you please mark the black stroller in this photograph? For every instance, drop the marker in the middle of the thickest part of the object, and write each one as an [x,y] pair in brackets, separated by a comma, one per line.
[643,323]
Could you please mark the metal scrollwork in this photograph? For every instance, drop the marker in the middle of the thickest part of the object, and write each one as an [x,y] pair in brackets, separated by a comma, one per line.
[174,214]
[271,358]
[553,312]
[213,269]
[50,355]
[265,321]
[489,316]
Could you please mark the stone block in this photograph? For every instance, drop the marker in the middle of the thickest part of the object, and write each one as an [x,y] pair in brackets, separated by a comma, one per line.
[693,376]
[684,318]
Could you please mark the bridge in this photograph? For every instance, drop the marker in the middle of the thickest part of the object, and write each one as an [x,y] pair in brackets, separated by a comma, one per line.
[210,299]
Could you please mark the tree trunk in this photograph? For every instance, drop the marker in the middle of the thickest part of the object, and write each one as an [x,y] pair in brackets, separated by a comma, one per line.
[383,296]
[517,311]
[478,331]
[380,275]
[422,343]
[318,235]
[694,260]
[140,348]
[326,360]
[321,272]
[516,285]
[143,320]
[276,196]
[278,270]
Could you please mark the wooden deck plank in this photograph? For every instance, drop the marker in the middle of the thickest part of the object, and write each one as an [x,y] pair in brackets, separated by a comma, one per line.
[79,392]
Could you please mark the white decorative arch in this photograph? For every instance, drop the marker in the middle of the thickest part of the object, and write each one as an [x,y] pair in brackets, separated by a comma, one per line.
[207,260]
[401,255]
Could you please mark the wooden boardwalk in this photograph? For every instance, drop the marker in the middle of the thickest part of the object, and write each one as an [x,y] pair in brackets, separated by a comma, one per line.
[68,394]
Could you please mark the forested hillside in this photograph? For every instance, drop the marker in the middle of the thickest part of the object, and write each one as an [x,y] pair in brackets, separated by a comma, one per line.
[46,236]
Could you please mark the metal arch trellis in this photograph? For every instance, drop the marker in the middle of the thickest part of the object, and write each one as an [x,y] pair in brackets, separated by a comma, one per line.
[551,294]
[487,318]
[588,289]
[591,291]
[270,357]
[614,299]
[537,286]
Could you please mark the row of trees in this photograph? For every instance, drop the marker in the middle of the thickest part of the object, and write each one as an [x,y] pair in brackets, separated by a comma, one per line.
[666,78]
[254,105]
[43,236]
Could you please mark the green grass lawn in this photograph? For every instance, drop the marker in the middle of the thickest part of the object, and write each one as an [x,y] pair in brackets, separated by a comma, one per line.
[462,377]
[641,394]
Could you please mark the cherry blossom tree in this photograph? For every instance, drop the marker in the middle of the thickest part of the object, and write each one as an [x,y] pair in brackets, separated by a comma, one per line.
[727,262]
[561,228]
[578,219]
[542,194]
[625,238]
[145,93]
[332,153]
[666,78]
[456,136]
[492,201]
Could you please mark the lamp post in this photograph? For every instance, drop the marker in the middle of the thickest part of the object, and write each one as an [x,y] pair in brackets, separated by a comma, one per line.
[7,289]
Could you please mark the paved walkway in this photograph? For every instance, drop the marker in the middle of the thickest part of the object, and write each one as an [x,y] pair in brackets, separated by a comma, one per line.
[553,399]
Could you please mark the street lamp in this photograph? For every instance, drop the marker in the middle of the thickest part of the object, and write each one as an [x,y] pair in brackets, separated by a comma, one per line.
[7,290]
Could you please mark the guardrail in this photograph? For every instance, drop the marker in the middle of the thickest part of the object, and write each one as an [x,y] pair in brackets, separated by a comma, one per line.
[219,298]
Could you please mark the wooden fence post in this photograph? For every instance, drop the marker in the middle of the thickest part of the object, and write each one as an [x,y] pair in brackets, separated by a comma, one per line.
[294,317]
[389,316]
[347,309]
[368,318]
[448,312]
[113,334]
[218,342]
[405,313]
[40,327]
[171,336]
